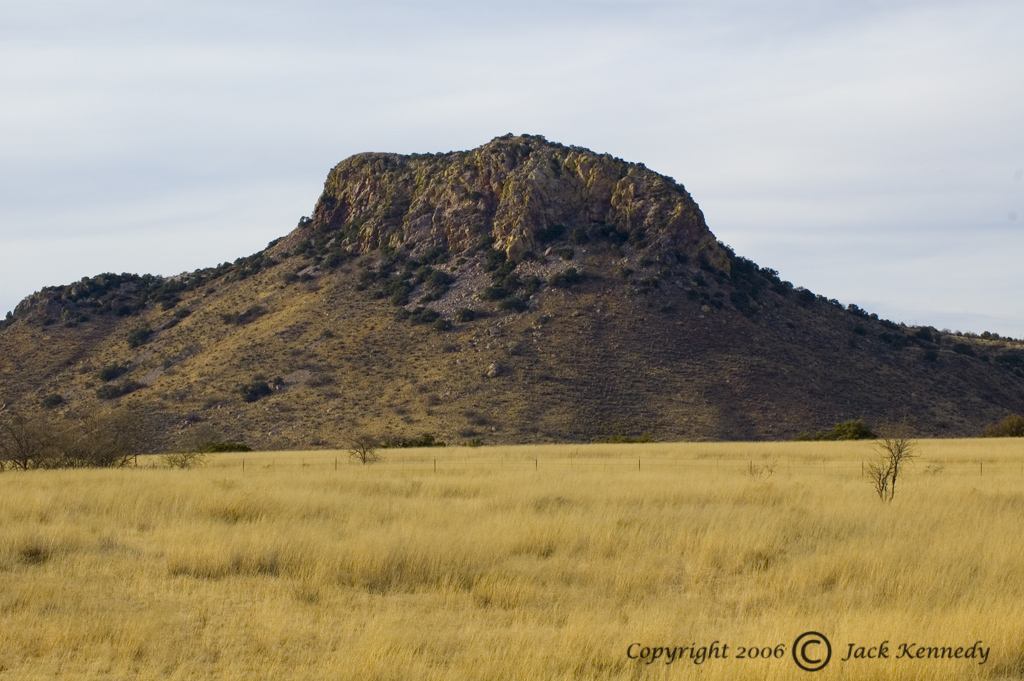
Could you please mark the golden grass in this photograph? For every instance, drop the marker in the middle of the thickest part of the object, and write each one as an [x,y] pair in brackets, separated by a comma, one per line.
[511,563]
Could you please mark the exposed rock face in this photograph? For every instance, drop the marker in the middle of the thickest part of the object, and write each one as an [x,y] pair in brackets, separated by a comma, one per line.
[513,188]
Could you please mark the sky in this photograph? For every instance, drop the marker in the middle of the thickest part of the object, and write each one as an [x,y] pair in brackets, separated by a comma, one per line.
[872,152]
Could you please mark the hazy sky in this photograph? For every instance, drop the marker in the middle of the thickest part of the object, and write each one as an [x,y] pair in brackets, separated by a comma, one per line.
[872,151]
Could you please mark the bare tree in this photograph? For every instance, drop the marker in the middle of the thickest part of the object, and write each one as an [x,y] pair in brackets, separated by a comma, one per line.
[364,449]
[187,459]
[108,440]
[25,443]
[894,450]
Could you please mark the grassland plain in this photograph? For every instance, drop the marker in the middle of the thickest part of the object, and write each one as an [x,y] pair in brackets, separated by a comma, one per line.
[513,563]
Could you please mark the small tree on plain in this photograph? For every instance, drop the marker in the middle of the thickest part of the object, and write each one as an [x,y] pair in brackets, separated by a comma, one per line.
[893,452]
[184,460]
[364,450]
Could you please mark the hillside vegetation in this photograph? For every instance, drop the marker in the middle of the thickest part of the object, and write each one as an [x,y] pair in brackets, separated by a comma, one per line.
[523,291]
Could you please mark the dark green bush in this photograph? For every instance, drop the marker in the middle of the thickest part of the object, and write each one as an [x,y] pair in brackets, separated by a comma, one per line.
[464,315]
[139,336]
[494,259]
[424,440]
[847,430]
[1011,359]
[550,233]
[565,279]
[218,447]
[625,439]
[516,304]
[255,390]
[112,371]
[494,293]
[423,315]
[897,339]
[248,315]
[925,334]
[52,401]
[111,391]
[963,349]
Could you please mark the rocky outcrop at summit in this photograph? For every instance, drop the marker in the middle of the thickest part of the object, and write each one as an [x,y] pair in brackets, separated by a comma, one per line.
[514,190]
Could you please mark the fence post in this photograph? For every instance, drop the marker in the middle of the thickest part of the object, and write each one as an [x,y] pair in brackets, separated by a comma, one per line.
[981,468]
[335,463]
[536,464]
[435,464]
[243,466]
[638,463]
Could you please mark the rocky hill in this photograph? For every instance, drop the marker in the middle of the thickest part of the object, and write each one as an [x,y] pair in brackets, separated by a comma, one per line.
[523,291]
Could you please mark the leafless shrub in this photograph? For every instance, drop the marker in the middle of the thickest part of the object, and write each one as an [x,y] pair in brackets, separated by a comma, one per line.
[184,460]
[109,439]
[894,450]
[761,471]
[25,443]
[364,450]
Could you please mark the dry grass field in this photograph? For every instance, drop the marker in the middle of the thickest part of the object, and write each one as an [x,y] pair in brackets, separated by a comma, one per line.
[515,563]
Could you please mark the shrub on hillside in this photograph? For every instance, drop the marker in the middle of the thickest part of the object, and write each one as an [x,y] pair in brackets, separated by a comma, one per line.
[625,439]
[112,391]
[424,315]
[963,349]
[1011,426]
[112,371]
[254,390]
[219,447]
[566,279]
[139,336]
[248,315]
[424,440]
[847,430]
[516,304]
[52,401]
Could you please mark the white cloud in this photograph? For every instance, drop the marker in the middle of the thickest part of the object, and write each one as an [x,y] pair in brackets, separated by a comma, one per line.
[809,132]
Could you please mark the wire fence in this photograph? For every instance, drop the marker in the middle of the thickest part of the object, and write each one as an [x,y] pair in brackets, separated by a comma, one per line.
[758,468]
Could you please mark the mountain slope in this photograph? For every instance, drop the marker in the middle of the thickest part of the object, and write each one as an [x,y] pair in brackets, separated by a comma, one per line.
[522,291]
